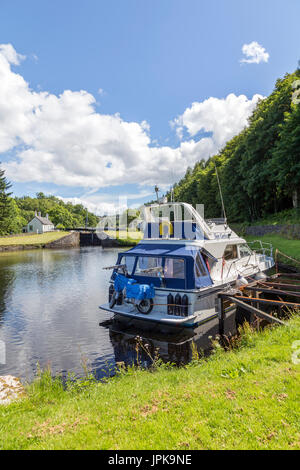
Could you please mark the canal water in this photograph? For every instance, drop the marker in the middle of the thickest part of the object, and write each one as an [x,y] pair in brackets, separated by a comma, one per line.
[49,316]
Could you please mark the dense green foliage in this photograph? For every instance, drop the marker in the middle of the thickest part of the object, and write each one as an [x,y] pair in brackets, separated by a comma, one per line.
[4,199]
[259,169]
[246,398]
[62,214]
[16,212]
[10,216]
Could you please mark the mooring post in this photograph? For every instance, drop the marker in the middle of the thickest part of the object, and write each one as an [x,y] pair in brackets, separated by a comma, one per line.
[221,314]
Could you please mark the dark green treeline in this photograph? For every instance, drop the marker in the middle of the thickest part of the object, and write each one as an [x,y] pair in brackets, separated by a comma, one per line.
[259,169]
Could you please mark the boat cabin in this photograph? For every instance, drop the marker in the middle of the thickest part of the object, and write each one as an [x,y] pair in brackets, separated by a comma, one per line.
[168,266]
[174,274]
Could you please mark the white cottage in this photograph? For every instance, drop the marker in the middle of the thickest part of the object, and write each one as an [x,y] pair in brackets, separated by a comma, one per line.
[40,224]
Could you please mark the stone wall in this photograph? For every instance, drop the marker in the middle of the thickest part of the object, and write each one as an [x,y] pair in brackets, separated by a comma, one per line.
[89,239]
[69,241]
[7,248]
[92,239]
[109,243]
[292,231]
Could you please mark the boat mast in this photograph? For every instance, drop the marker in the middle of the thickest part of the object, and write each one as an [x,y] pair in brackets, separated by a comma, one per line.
[221,195]
[156,189]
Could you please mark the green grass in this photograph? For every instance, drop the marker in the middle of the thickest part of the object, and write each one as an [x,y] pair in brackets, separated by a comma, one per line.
[247,398]
[286,246]
[124,237]
[124,234]
[32,239]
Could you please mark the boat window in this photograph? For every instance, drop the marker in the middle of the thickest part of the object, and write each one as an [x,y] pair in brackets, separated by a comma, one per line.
[230,252]
[244,250]
[148,262]
[174,268]
[199,268]
[129,261]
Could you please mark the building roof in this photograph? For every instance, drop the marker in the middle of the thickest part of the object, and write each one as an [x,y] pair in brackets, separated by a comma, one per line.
[43,220]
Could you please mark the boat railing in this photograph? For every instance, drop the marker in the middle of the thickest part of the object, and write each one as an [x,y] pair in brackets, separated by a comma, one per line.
[263,248]
[218,221]
[117,267]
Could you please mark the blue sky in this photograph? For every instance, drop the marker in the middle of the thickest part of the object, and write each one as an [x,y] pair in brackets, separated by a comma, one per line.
[150,60]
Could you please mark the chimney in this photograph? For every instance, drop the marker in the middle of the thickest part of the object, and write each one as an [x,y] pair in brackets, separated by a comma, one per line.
[39,214]
[47,216]
[35,213]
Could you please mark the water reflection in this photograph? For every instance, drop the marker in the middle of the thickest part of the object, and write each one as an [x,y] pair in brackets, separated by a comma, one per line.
[49,315]
[50,309]
[171,345]
[7,277]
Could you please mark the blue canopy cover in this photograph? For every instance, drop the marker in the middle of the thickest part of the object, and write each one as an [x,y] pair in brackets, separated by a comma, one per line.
[196,272]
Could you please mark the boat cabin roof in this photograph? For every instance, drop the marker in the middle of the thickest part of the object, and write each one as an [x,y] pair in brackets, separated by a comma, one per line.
[182,266]
[164,249]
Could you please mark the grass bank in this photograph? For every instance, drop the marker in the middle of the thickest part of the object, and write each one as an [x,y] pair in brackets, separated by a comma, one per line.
[124,237]
[285,245]
[247,398]
[37,239]
[288,216]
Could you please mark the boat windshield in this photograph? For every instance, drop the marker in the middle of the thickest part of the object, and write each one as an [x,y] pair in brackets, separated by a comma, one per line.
[244,250]
[129,261]
[170,268]
[149,264]
[174,268]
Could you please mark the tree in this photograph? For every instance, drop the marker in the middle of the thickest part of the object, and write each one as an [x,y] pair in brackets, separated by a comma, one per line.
[15,222]
[5,205]
[286,156]
[258,168]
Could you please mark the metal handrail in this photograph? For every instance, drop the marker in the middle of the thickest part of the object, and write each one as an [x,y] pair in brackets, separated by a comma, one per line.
[122,267]
[264,247]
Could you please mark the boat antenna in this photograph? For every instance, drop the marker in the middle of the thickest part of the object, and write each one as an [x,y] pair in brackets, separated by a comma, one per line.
[172,185]
[221,195]
[172,194]
[156,189]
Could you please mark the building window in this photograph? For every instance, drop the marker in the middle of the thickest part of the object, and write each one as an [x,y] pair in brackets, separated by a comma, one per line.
[230,252]
[30,228]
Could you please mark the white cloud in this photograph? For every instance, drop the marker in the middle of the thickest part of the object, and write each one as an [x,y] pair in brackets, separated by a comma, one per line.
[63,140]
[97,207]
[255,53]
[224,118]
[101,204]
[10,54]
